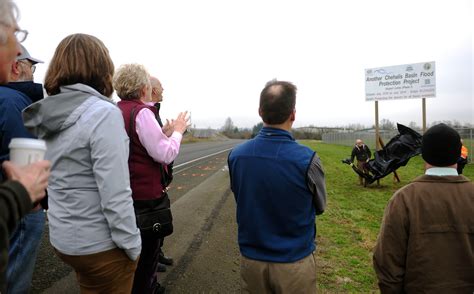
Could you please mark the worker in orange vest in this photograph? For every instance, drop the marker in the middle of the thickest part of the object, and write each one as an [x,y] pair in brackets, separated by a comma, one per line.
[462,161]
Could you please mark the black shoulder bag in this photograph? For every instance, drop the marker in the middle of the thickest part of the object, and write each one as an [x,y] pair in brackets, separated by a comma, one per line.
[153,216]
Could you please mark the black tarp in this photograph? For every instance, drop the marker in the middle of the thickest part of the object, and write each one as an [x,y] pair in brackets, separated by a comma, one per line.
[395,154]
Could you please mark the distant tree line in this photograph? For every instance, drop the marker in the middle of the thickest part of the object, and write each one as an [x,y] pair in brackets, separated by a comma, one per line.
[315,133]
[386,124]
[233,132]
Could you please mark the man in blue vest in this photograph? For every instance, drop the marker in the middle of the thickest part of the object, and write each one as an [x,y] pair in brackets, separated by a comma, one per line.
[279,188]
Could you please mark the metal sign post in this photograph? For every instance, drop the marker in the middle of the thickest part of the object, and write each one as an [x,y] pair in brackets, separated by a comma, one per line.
[423,107]
[377,133]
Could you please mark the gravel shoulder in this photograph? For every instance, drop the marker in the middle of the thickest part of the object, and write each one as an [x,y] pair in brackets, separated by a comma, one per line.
[211,263]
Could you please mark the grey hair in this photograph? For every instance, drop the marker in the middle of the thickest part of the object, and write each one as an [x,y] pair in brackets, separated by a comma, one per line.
[129,81]
[8,17]
[8,13]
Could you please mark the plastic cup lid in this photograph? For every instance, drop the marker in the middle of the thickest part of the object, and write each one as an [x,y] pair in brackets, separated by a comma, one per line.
[27,143]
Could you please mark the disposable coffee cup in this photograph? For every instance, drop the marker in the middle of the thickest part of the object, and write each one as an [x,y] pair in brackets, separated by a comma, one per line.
[24,151]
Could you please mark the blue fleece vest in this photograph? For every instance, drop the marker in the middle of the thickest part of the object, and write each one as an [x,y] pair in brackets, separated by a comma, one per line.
[275,211]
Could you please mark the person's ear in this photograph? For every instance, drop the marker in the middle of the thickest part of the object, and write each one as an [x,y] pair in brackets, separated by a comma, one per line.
[260,112]
[293,115]
[146,93]
[16,68]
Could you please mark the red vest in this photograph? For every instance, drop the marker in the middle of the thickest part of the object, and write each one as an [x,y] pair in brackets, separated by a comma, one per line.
[145,172]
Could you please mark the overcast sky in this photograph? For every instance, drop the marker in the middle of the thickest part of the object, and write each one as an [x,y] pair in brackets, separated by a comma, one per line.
[214,56]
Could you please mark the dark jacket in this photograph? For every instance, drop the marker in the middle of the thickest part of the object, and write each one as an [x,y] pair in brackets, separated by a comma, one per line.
[361,153]
[168,169]
[426,240]
[14,204]
[157,115]
[14,97]
[277,198]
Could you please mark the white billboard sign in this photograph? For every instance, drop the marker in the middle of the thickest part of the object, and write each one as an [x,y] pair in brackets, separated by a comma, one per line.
[408,81]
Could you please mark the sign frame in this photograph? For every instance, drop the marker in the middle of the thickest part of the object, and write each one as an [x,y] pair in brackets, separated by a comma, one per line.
[406,81]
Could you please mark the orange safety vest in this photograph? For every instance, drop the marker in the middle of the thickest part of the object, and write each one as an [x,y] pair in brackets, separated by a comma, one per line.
[464,152]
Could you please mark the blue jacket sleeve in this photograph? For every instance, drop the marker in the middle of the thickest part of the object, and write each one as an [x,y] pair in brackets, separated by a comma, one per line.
[11,125]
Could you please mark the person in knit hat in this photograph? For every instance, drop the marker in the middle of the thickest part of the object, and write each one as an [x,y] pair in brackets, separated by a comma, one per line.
[425,241]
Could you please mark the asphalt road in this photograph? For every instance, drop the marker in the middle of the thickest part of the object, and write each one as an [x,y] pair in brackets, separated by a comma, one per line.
[200,195]
[190,152]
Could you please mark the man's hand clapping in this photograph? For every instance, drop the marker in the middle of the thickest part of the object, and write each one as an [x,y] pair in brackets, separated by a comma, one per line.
[181,123]
[168,128]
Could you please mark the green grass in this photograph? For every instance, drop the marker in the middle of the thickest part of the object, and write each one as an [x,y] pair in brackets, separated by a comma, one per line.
[347,231]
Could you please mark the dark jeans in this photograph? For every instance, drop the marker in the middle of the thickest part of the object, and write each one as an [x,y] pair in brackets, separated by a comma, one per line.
[162,241]
[145,281]
[24,244]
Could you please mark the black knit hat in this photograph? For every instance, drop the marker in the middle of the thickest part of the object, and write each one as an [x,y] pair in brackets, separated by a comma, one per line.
[441,145]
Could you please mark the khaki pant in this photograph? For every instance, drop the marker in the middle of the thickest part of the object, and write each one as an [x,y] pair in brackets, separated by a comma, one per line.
[269,277]
[110,271]
[362,166]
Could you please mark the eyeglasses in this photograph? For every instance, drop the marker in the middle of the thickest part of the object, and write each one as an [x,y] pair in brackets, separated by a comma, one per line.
[21,35]
[32,66]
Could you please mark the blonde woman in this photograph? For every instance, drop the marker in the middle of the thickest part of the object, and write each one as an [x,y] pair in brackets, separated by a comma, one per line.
[91,217]
[150,149]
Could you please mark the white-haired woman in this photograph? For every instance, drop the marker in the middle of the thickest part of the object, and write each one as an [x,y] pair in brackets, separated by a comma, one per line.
[150,151]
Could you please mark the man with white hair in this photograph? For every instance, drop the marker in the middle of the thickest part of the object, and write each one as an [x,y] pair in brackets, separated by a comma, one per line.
[10,37]
[25,185]
[156,96]
[14,97]
[156,99]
